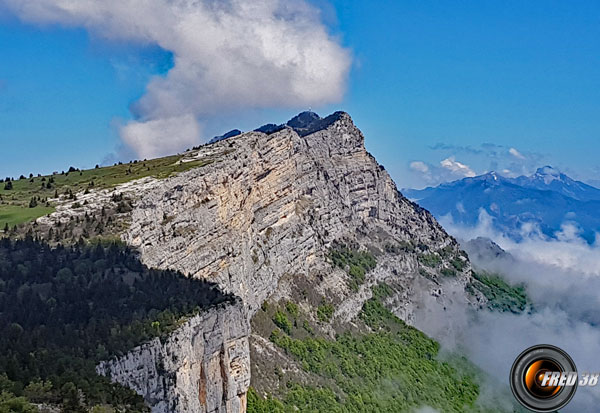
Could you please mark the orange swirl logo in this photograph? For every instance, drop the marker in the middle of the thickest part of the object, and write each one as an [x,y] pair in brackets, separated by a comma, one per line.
[544,378]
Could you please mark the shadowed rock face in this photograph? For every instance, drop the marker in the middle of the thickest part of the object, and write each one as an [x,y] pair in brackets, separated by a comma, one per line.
[303,124]
[260,221]
[303,120]
[269,128]
[202,367]
[309,122]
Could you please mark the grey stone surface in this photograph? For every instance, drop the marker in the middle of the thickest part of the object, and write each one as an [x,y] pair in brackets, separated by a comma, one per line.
[259,220]
[202,367]
[273,205]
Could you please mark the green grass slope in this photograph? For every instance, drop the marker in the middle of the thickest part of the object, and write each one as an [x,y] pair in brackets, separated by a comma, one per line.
[16,197]
[501,295]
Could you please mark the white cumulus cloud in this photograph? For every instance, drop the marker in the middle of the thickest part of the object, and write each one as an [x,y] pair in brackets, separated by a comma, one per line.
[516,153]
[158,136]
[419,166]
[457,168]
[449,169]
[229,56]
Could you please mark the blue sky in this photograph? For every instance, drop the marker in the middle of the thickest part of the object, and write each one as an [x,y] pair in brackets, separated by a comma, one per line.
[429,81]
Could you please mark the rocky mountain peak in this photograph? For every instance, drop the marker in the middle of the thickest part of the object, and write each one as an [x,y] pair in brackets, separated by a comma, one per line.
[551,196]
[547,170]
[548,174]
[274,204]
[482,247]
[491,177]
[303,120]
[230,134]
[305,123]
[261,215]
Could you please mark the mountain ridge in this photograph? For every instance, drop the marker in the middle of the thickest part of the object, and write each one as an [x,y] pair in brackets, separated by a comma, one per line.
[548,199]
[313,236]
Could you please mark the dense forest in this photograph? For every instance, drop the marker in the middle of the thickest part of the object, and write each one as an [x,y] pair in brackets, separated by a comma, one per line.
[63,309]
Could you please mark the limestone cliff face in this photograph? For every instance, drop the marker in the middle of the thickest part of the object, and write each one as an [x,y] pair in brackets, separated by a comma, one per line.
[271,206]
[202,367]
[260,220]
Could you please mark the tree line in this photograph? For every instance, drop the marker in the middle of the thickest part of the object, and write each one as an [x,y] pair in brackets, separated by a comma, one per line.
[65,308]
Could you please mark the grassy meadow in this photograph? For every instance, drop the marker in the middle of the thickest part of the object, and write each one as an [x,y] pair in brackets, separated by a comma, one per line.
[17,207]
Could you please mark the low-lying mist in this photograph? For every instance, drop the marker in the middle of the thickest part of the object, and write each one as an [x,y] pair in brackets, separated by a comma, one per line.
[562,279]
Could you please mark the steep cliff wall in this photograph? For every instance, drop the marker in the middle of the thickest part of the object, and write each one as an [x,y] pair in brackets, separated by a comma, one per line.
[202,367]
[272,205]
[261,218]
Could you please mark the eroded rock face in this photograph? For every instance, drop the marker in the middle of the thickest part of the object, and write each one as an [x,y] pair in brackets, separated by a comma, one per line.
[260,221]
[273,205]
[203,366]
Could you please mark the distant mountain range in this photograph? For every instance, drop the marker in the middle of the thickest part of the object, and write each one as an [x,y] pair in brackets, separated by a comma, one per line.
[548,198]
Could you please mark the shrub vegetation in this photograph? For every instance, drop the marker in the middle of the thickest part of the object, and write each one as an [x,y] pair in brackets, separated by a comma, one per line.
[355,263]
[501,295]
[392,368]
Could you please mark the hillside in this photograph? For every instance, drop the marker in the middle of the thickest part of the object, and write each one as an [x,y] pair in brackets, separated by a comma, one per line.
[65,309]
[29,197]
[331,264]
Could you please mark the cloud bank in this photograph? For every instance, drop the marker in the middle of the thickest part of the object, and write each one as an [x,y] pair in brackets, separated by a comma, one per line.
[229,56]
[567,251]
[562,279]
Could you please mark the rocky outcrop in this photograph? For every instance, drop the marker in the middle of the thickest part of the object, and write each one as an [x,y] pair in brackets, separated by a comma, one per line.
[260,220]
[273,205]
[203,367]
